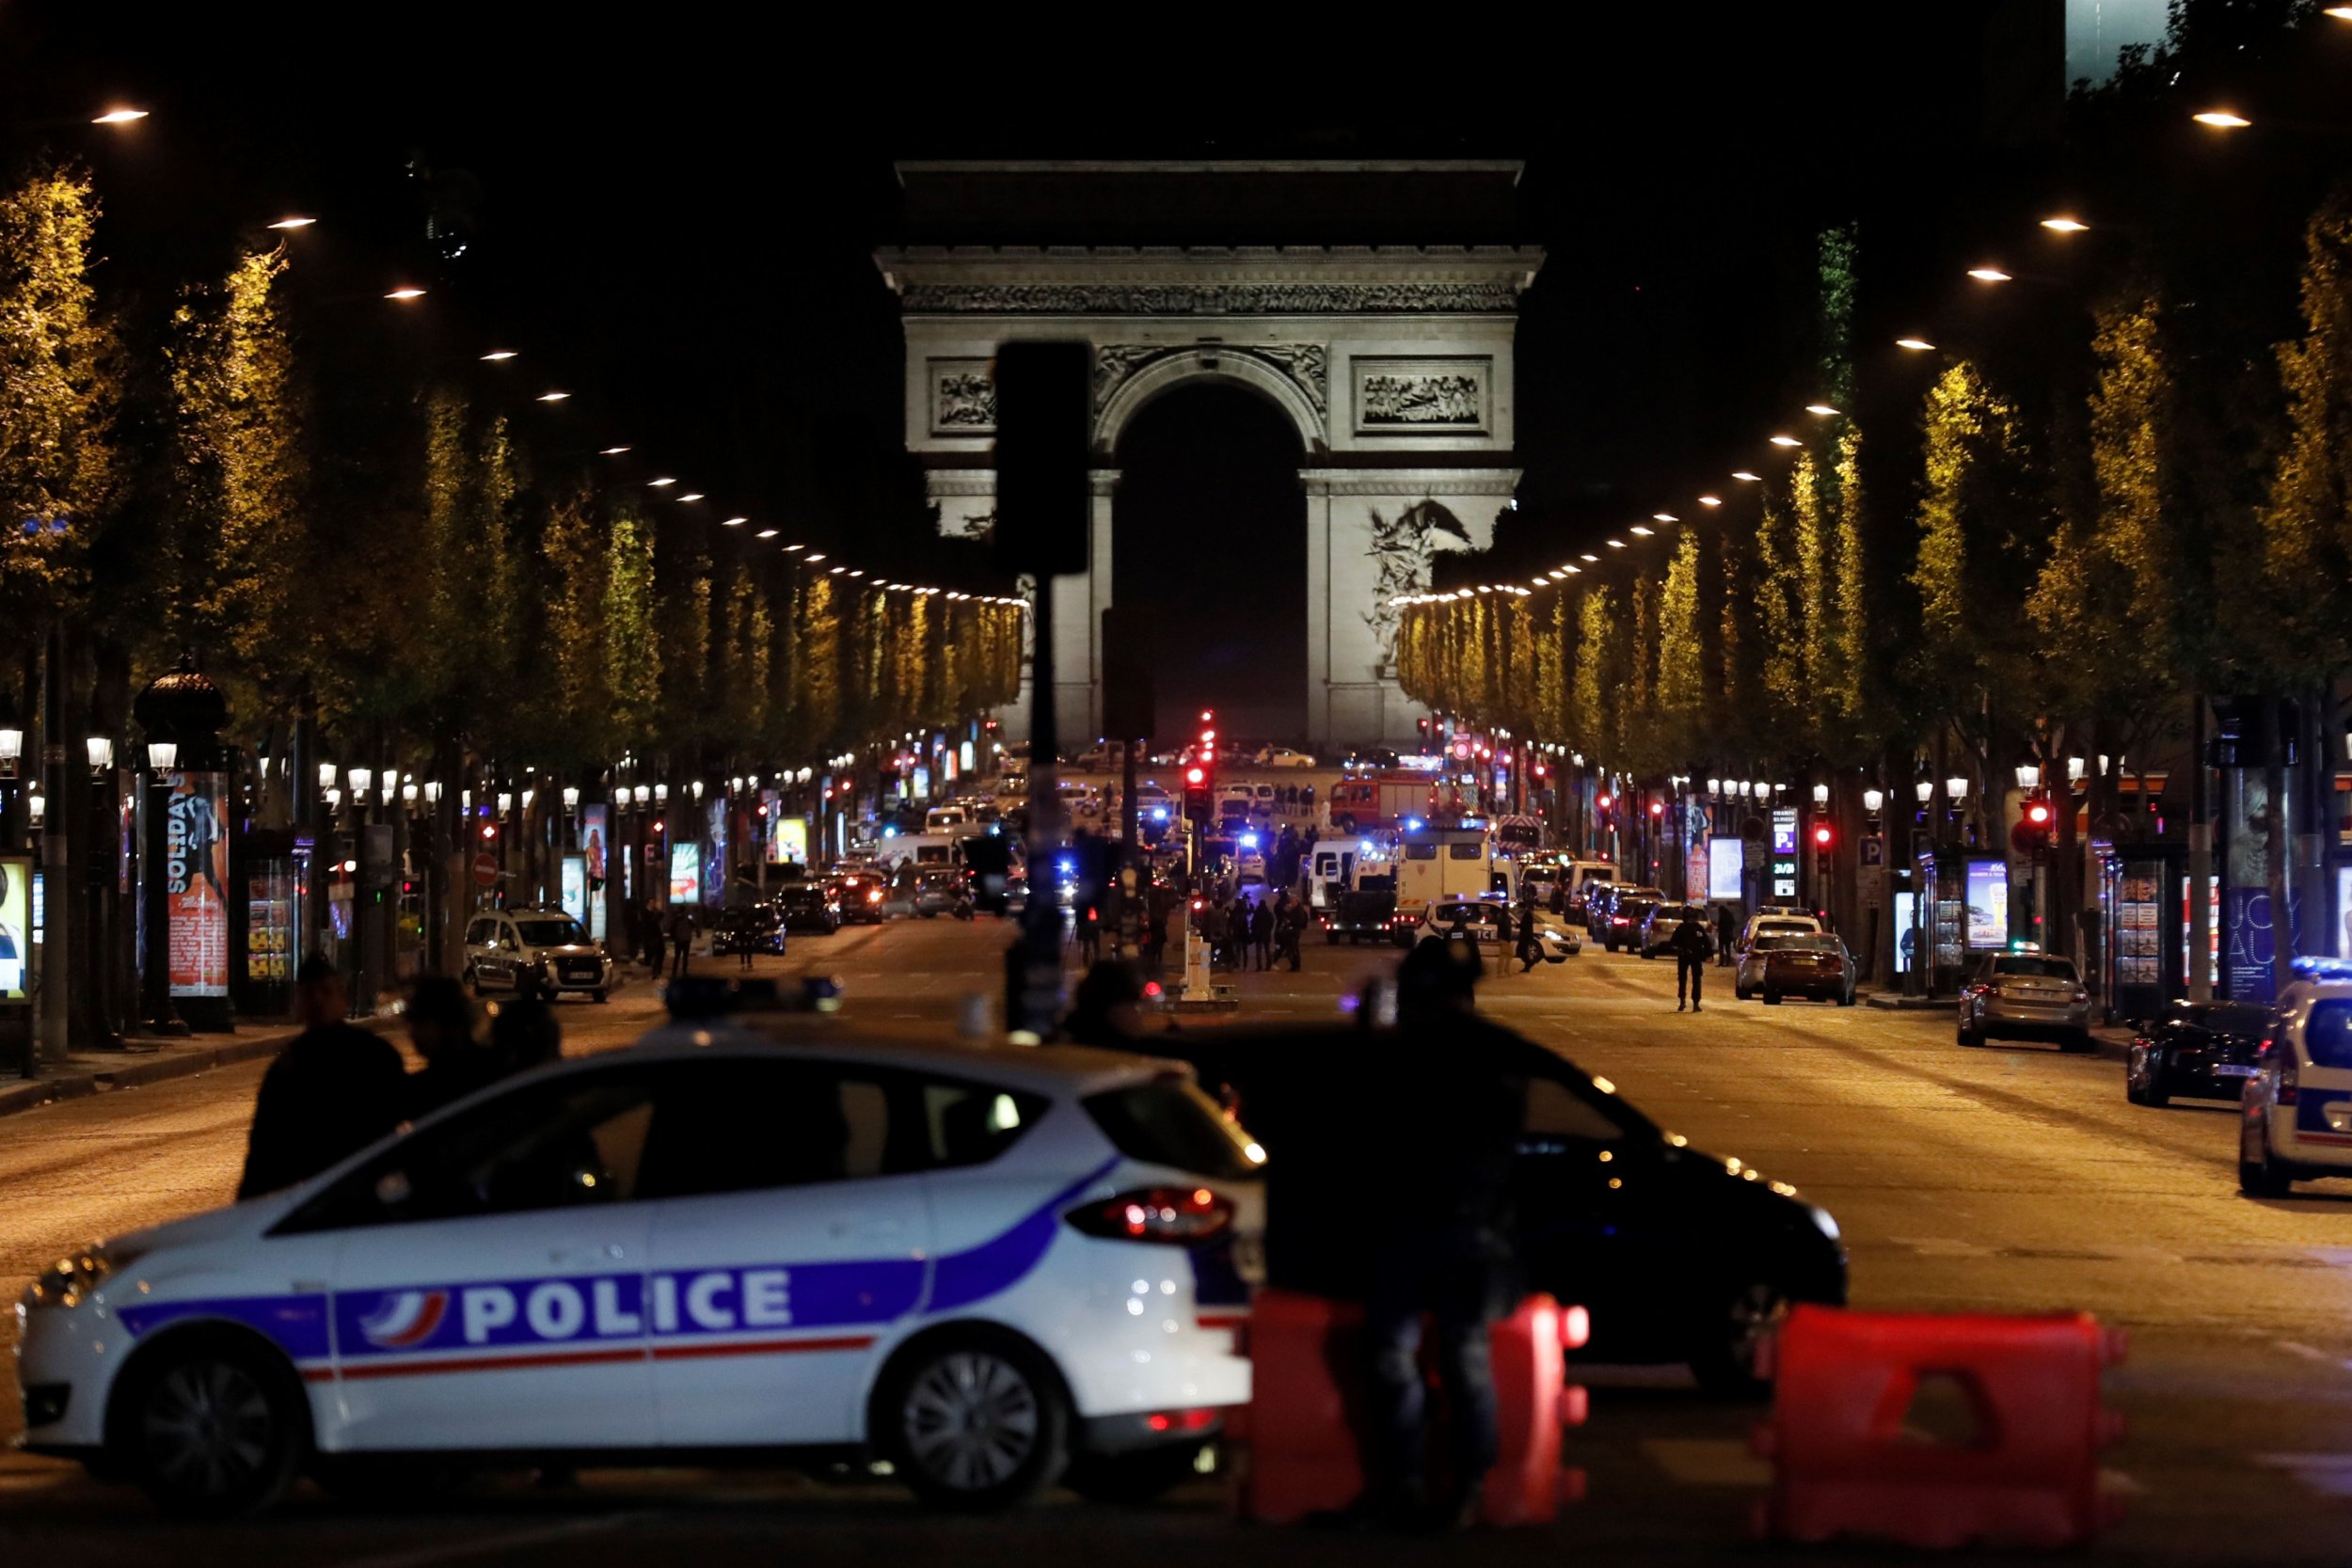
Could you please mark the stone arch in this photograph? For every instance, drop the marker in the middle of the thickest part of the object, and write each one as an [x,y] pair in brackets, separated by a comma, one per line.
[1186,366]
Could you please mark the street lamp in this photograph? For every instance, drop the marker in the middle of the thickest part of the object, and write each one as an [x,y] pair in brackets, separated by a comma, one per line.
[506,803]
[2028,775]
[1916,345]
[1710,500]
[1821,795]
[1926,790]
[2074,769]
[161,754]
[2223,119]
[571,796]
[1872,800]
[327,775]
[660,794]
[120,117]
[1989,274]
[359,778]
[11,738]
[102,755]
[1956,788]
[2063,224]
[36,808]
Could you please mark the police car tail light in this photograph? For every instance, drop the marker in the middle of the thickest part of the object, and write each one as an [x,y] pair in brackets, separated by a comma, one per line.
[2081,995]
[1178,1216]
[2288,1079]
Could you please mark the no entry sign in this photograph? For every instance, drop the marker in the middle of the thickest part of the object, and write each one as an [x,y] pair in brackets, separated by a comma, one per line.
[486,869]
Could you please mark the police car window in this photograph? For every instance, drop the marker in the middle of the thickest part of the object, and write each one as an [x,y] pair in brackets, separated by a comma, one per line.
[2328,1035]
[1555,1111]
[1170,1122]
[480,931]
[970,1124]
[551,933]
[732,1126]
[572,1143]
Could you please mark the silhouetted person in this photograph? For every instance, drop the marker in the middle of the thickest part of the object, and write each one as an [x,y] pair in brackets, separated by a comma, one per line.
[442,1029]
[332,1092]
[524,1034]
[655,942]
[1530,950]
[681,940]
[1692,948]
[1261,934]
[1444,1249]
[1726,932]
[1107,1009]
[1290,928]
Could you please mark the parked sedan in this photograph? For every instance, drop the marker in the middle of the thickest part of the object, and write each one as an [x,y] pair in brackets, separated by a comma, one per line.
[810,907]
[1658,931]
[1627,912]
[861,895]
[2203,1049]
[2029,994]
[1678,1256]
[1813,964]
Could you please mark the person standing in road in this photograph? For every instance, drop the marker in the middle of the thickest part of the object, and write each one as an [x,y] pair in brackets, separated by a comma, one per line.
[1213,922]
[441,1031]
[1445,1249]
[1292,929]
[1261,934]
[524,1034]
[1531,948]
[1692,948]
[681,940]
[656,946]
[332,1092]
[1726,932]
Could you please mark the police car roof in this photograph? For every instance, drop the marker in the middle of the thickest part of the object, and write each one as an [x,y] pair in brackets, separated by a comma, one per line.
[1079,1069]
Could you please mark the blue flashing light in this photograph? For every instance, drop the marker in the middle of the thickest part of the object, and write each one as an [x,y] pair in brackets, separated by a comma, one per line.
[2324,969]
[1368,848]
[890,832]
[995,829]
[1412,824]
[1159,814]
[1068,866]
[1250,841]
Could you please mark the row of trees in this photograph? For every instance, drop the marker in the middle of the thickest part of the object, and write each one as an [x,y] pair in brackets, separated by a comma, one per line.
[340,528]
[2135,490]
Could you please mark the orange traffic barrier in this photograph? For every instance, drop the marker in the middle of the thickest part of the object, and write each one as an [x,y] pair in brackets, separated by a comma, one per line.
[2019,1397]
[1303,1453]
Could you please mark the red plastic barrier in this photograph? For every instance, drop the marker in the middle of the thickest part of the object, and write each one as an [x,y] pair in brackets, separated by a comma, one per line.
[1844,1464]
[1304,1424]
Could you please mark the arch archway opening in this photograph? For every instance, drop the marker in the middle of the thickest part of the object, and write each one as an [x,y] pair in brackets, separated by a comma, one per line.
[1209,526]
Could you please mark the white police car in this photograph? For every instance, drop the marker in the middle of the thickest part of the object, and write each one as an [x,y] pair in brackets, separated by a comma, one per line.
[2294,1121]
[983,1265]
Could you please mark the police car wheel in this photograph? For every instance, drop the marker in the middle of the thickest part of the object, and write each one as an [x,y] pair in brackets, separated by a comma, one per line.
[215,1429]
[2258,1174]
[975,1422]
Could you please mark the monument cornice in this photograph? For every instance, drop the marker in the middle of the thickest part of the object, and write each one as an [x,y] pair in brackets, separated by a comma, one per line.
[1239,280]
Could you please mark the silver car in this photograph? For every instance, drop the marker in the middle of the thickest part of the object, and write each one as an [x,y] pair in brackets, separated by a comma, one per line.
[2029,994]
[534,953]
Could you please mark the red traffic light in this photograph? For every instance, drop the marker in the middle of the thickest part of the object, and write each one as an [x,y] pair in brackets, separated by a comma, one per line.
[1822,835]
[1658,808]
[1601,800]
[2038,814]
[1194,775]
[1207,737]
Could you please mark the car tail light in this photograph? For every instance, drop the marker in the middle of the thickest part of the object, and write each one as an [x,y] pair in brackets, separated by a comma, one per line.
[1991,991]
[1179,1215]
[2288,1079]
[2081,995]
[875,896]
[1181,1420]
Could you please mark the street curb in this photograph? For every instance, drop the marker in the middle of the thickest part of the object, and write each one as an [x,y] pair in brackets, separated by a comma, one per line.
[31,1096]
[1896,1002]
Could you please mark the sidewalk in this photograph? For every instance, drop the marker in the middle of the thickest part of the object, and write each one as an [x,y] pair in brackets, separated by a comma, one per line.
[149,1060]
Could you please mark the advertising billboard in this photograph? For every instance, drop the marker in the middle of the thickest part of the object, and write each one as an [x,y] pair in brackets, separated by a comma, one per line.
[715,864]
[16,928]
[686,873]
[1988,904]
[792,840]
[196,881]
[573,894]
[1906,931]
[596,833]
[1726,861]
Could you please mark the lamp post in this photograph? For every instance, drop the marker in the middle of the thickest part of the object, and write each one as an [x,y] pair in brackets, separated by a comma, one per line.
[183,857]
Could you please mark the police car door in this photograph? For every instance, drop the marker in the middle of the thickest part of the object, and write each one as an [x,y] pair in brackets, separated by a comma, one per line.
[489,1287]
[792,1240]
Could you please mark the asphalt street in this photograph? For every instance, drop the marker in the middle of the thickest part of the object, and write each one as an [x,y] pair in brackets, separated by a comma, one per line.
[2003,1178]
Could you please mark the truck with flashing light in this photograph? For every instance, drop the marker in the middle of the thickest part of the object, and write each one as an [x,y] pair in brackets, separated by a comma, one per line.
[1380,803]
[1442,861]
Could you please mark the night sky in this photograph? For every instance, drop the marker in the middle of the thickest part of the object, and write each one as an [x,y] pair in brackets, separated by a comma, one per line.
[671,210]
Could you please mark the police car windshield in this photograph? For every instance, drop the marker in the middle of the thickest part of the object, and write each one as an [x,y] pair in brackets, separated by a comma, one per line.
[551,933]
[2329,1035]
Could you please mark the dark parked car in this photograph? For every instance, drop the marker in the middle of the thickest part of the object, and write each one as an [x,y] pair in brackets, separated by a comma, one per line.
[2203,1049]
[1811,964]
[861,895]
[1678,1256]
[758,928]
[1628,914]
[810,907]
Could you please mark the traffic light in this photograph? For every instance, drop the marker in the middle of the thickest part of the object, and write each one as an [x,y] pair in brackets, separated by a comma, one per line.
[2035,820]
[1823,835]
[1197,801]
[1657,807]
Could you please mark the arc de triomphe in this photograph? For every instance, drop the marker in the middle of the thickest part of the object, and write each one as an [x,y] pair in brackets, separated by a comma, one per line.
[1394,363]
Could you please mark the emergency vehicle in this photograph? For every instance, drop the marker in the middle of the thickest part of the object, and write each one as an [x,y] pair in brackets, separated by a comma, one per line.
[2295,1120]
[1380,803]
[984,1265]
[1438,862]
